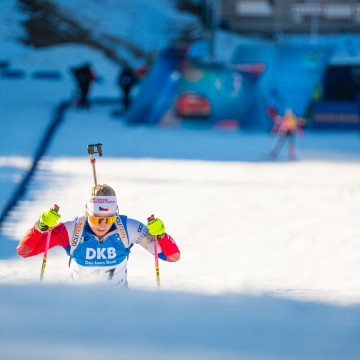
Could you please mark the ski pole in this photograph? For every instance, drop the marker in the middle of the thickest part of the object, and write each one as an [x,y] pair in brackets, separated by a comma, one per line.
[47,244]
[92,150]
[157,269]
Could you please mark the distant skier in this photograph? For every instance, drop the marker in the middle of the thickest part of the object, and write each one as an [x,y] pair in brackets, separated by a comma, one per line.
[99,242]
[287,126]
[126,80]
[84,76]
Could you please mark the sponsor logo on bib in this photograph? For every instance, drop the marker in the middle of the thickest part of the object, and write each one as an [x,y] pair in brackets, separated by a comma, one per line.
[100,253]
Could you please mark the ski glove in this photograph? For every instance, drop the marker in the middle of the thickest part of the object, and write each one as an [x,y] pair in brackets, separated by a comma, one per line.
[48,219]
[156,227]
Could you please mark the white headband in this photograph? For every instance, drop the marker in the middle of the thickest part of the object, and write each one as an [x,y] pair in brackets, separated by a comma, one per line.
[105,205]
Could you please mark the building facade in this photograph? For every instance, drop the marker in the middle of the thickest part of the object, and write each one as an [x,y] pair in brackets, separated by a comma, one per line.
[271,17]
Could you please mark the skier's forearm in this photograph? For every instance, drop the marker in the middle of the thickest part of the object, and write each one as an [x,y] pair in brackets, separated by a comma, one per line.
[32,243]
[169,248]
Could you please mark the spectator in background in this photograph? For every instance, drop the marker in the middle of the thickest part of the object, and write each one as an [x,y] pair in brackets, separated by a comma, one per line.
[84,76]
[287,126]
[126,80]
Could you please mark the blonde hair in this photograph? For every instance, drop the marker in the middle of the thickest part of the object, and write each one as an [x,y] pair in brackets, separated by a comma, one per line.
[102,190]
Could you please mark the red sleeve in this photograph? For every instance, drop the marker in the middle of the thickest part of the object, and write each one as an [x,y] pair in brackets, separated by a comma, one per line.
[33,243]
[169,248]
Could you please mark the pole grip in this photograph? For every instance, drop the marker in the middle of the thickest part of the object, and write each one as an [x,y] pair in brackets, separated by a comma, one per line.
[47,245]
[92,150]
[99,149]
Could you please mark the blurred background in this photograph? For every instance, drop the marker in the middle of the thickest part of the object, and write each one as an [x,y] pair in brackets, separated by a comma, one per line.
[233,63]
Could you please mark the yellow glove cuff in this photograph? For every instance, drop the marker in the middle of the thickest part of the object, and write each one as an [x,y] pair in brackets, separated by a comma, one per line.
[156,227]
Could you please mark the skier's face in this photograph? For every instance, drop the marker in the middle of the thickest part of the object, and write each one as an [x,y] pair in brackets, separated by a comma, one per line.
[100,225]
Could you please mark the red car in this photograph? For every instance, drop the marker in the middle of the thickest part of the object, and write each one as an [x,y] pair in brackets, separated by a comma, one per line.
[191,104]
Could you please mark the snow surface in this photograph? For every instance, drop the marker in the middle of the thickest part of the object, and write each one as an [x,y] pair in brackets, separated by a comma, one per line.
[270,249]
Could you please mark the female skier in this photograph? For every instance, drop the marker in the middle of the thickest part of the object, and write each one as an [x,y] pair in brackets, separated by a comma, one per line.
[286,127]
[99,242]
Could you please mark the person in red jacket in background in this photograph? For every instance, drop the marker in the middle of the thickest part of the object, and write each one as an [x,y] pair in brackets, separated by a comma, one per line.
[286,126]
[84,77]
[99,242]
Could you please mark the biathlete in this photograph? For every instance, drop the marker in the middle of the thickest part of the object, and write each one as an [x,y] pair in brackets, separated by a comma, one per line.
[286,127]
[99,242]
